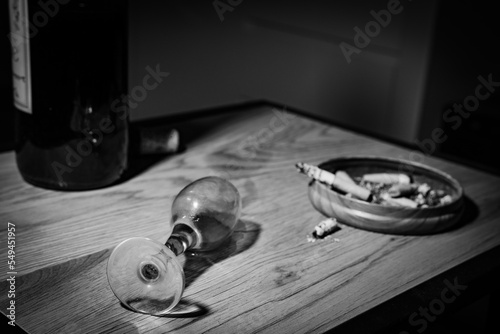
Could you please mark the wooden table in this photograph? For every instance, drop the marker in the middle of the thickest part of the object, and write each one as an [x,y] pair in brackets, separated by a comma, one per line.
[269,278]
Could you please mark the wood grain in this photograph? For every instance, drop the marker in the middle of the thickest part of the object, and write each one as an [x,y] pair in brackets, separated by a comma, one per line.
[269,278]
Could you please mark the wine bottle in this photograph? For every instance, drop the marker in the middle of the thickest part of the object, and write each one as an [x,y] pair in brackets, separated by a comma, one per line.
[69,61]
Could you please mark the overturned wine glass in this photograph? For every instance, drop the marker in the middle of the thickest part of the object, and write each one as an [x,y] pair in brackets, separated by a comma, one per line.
[145,275]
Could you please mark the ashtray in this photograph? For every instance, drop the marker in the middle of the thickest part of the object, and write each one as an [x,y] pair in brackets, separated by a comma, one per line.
[391,219]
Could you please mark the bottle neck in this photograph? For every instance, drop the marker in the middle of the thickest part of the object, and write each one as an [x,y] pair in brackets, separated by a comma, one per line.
[182,238]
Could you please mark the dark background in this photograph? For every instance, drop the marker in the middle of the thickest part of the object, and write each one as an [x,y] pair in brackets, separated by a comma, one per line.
[397,88]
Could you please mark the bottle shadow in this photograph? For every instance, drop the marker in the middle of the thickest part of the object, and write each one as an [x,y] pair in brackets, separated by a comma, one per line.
[192,127]
[139,164]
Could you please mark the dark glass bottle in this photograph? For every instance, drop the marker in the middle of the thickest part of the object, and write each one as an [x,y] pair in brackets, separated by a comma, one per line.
[69,62]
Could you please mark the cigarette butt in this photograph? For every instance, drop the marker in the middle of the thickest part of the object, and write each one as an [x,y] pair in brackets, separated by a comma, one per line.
[440,193]
[316,173]
[340,174]
[420,199]
[352,188]
[387,178]
[445,199]
[330,179]
[402,190]
[401,201]
[424,189]
[326,226]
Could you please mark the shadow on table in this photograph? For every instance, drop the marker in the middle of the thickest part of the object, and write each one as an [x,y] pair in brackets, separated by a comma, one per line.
[184,309]
[471,212]
[140,164]
[191,128]
[244,236]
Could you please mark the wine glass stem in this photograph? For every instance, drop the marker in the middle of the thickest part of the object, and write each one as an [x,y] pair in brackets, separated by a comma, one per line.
[179,242]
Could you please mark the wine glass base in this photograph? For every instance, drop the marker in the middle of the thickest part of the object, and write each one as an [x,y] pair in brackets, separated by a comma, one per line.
[145,276]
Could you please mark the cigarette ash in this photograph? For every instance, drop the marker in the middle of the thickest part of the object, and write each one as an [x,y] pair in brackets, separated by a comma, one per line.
[389,189]
[324,230]
[414,194]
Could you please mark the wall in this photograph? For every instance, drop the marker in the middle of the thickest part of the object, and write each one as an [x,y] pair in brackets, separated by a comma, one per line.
[288,53]
[284,52]
[464,48]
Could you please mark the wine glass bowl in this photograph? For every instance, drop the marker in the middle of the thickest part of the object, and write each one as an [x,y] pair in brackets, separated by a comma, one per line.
[145,275]
[209,206]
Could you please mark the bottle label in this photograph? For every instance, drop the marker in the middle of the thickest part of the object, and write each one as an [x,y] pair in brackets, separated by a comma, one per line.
[20,42]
